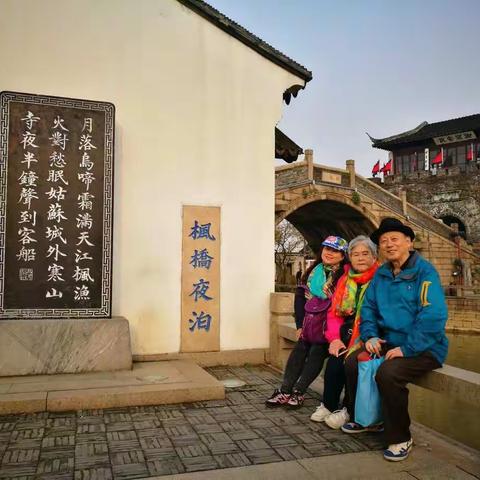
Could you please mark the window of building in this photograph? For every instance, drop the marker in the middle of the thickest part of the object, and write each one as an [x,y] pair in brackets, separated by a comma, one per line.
[410,162]
[398,164]
[420,160]
[461,154]
[449,156]
[404,163]
[413,162]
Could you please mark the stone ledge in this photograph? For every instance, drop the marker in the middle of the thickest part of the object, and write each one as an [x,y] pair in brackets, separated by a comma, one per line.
[151,383]
[288,331]
[23,402]
[453,381]
[47,346]
[253,356]
[463,330]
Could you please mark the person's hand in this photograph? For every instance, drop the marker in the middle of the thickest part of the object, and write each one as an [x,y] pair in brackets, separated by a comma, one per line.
[374,345]
[298,333]
[394,353]
[335,347]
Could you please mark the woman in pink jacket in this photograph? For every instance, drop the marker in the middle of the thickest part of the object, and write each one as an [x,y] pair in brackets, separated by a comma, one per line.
[343,327]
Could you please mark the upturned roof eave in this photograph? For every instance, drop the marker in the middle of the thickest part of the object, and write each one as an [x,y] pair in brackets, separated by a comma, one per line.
[426,132]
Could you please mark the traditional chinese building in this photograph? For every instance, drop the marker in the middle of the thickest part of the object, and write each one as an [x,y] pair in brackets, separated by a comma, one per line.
[438,164]
[196,99]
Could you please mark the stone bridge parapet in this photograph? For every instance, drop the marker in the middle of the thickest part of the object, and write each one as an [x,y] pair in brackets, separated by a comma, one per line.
[319,199]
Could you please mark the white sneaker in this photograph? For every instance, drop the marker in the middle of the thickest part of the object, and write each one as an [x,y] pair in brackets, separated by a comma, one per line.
[337,419]
[320,413]
[398,451]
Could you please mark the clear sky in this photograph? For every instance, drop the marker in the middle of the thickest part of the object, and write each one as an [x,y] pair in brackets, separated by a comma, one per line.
[379,66]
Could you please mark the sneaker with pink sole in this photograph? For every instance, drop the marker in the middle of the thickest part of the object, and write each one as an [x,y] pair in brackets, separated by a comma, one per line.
[277,399]
[296,400]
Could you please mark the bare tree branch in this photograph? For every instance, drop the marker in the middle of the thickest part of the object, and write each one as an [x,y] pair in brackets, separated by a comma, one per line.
[288,243]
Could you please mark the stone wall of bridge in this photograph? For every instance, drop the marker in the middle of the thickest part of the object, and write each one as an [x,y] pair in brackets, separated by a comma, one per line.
[449,193]
[348,204]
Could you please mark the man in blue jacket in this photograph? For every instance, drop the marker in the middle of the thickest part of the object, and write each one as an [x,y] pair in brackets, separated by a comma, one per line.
[403,317]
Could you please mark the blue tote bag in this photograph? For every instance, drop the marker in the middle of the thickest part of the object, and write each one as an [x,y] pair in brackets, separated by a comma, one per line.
[368,406]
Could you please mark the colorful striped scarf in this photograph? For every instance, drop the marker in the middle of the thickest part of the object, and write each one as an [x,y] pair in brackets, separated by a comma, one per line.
[346,294]
[320,280]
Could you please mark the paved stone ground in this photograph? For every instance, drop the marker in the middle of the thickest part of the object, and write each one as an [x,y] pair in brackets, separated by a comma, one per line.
[135,442]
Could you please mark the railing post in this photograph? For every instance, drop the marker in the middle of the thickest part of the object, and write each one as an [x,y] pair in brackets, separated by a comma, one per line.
[351,170]
[309,161]
[403,197]
[281,311]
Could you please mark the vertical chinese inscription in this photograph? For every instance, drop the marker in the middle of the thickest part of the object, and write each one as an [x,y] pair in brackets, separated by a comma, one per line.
[56,158]
[200,330]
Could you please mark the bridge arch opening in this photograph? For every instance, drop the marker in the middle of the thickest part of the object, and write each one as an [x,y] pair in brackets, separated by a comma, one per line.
[451,219]
[321,218]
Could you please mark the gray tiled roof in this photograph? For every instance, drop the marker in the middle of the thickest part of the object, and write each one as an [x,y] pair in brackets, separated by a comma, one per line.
[285,147]
[427,131]
[249,39]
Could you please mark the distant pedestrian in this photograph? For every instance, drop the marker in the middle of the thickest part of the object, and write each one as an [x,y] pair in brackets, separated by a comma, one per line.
[298,275]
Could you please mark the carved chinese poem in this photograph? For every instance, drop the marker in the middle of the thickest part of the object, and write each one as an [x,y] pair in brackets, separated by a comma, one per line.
[56,174]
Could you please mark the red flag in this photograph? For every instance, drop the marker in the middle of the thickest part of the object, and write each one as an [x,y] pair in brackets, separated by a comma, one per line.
[387,168]
[470,152]
[376,168]
[438,158]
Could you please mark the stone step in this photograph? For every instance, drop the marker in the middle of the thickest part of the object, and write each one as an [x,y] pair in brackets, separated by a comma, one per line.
[149,383]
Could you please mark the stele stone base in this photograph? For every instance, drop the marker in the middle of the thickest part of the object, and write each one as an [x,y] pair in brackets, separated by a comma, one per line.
[30,347]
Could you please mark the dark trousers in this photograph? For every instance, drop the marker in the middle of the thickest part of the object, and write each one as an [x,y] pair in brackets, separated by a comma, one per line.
[392,378]
[334,381]
[303,366]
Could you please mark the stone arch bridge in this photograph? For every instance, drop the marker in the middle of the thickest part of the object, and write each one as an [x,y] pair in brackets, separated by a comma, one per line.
[320,200]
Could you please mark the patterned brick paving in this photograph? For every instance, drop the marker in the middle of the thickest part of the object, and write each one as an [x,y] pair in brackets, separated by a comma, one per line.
[135,442]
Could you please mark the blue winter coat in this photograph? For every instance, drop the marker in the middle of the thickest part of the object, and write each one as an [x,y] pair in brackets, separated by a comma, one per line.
[408,311]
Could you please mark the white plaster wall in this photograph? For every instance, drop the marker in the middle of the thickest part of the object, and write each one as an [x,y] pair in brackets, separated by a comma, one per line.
[195,117]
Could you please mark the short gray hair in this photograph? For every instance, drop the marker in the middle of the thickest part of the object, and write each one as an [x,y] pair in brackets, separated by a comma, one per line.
[366,241]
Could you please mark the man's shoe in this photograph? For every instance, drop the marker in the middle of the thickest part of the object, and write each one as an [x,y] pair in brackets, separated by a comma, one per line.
[338,418]
[277,399]
[398,451]
[320,414]
[354,427]
[296,400]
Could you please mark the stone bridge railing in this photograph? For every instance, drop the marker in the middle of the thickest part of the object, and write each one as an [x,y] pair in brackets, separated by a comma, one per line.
[306,173]
[399,205]
[291,176]
[373,191]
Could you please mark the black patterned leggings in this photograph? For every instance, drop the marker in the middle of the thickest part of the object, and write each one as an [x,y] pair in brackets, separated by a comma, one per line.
[303,366]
